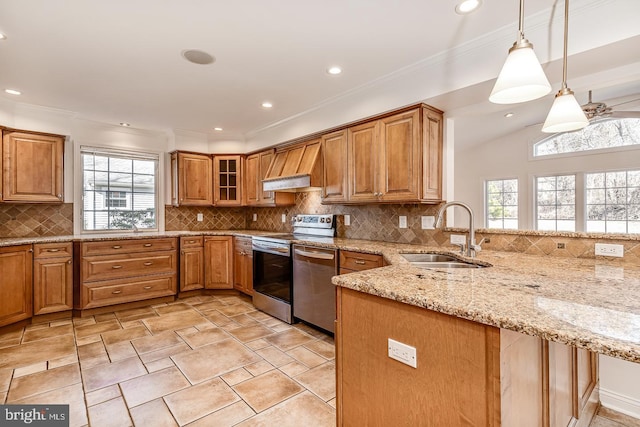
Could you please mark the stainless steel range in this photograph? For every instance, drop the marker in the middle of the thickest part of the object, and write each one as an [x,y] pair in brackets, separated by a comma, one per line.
[273,265]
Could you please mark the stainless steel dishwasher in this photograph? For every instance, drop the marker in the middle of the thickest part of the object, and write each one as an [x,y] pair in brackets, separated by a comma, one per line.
[314,296]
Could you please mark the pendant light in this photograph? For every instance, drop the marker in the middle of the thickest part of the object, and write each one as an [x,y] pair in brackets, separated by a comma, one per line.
[521,78]
[566,114]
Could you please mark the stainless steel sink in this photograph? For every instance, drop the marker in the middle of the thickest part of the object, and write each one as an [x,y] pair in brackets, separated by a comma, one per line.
[429,258]
[437,261]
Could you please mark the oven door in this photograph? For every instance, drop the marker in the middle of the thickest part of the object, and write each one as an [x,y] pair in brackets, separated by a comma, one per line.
[272,284]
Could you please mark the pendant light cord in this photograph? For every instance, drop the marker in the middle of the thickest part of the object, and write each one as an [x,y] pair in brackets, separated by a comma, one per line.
[566,38]
[521,22]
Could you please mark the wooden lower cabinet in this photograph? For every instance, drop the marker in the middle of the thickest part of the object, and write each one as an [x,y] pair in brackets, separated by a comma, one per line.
[218,262]
[357,261]
[121,271]
[243,265]
[52,278]
[468,374]
[191,263]
[16,294]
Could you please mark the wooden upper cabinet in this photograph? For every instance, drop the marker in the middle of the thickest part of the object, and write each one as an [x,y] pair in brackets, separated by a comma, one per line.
[227,186]
[391,159]
[256,168]
[399,168]
[431,155]
[334,155]
[32,167]
[363,169]
[192,179]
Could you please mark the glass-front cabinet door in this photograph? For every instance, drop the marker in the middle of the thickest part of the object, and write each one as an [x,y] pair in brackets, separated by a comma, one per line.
[227,180]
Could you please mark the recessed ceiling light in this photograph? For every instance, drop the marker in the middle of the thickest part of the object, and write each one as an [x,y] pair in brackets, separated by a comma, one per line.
[199,57]
[334,70]
[2,36]
[13,92]
[125,124]
[508,115]
[267,105]
[217,129]
[467,6]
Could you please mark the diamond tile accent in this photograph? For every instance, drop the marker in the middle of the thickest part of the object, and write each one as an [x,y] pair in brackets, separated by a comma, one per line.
[34,220]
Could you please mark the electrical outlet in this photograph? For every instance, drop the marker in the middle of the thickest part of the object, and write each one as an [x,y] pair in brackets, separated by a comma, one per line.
[200,217]
[284,218]
[403,353]
[610,250]
[402,223]
[347,220]
[255,217]
[458,239]
[427,222]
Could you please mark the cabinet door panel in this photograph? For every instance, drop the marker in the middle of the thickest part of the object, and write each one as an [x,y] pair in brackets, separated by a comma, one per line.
[400,170]
[32,168]
[431,155]
[218,262]
[560,385]
[228,178]
[191,269]
[252,167]
[334,152]
[52,285]
[362,143]
[16,295]
[195,184]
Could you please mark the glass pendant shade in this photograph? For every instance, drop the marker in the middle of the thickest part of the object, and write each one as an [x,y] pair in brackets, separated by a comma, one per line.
[521,78]
[565,115]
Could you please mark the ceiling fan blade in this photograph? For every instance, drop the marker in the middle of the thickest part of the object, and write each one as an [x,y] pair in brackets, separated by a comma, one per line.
[626,102]
[626,114]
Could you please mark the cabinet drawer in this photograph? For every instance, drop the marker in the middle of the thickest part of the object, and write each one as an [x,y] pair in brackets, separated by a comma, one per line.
[127,265]
[242,244]
[51,250]
[109,247]
[359,261]
[191,242]
[120,291]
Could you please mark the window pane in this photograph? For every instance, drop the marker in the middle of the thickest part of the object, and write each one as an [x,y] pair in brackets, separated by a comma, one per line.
[555,203]
[119,191]
[613,200]
[501,203]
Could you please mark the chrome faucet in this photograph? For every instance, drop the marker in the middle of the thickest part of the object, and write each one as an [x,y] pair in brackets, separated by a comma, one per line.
[472,247]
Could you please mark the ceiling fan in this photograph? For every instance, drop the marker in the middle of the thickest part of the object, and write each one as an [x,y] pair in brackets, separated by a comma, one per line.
[598,110]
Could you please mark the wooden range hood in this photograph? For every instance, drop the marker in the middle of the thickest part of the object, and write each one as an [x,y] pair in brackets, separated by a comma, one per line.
[298,168]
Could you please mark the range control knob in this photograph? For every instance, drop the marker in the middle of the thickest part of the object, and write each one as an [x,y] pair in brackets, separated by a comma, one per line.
[329,220]
[322,220]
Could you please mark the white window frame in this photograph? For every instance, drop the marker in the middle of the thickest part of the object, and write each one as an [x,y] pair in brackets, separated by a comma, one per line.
[486,202]
[78,205]
[576,206]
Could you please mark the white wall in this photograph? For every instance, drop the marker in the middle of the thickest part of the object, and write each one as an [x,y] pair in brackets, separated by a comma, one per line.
[620,385]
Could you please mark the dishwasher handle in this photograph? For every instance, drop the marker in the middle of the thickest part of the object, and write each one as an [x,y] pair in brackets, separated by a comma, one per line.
[316,255]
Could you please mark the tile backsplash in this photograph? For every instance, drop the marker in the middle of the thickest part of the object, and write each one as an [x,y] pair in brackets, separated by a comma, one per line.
[185,218]
[36,220]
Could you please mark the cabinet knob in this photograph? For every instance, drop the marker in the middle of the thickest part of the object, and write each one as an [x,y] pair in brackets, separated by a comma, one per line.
[69,262]
[116,292]
[181,252]
[59,196]
[115,267]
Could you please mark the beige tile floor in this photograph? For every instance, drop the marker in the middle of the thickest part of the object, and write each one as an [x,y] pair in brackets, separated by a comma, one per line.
[203,361]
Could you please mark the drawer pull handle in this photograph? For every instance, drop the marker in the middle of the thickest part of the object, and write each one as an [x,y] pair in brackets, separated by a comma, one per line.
[53,250]
[148,245]
[116,247]
[148,263]
[191,241]
[148,287]
[115,267]
[360,262]
[116,292]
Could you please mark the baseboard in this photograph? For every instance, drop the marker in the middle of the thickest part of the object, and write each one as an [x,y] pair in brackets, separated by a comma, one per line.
[621,403]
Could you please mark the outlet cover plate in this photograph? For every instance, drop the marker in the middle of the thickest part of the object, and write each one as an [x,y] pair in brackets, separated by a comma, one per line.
[200,217]
[402,223]
[255,216]
[427,222]
[284,218]
[402,353]
[458,239]
[609,250]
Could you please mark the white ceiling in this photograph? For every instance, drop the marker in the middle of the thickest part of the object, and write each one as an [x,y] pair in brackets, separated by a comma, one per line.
[120,60]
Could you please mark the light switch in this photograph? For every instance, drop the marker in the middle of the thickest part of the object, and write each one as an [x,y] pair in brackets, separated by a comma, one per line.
[403,221]
[284,218]
[255,216]
[347,220]
[427,222]
[200,217]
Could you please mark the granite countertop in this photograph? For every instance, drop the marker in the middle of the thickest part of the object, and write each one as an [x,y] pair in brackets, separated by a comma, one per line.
[588,303]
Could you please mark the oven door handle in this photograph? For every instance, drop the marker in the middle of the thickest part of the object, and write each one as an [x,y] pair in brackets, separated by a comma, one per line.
[317,255]
[269,248]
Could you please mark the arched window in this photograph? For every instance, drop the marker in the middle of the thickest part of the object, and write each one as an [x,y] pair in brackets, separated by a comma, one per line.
[602,134]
